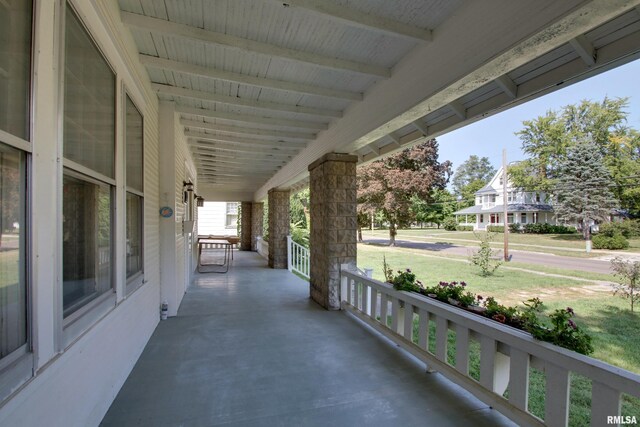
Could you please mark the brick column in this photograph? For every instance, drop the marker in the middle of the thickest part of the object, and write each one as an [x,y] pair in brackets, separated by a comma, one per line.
[245,226]
[279,223]
[334,225]
[256,224]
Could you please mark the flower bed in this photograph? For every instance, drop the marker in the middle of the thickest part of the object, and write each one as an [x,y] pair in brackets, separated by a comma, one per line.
[557,328]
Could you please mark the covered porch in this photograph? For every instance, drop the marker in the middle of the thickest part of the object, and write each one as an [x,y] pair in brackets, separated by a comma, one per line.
[250,348]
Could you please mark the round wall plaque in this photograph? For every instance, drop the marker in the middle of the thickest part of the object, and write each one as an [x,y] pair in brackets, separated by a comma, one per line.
[166,212]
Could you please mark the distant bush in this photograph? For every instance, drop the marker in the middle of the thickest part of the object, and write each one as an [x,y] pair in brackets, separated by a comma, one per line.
[450,224]
[614,242]
[628,228]
[495,228]
[515,228]
[464,228]
[543,228]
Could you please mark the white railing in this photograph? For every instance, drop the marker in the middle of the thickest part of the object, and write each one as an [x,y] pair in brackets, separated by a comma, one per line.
[263,247]
[506,354]
[298,258]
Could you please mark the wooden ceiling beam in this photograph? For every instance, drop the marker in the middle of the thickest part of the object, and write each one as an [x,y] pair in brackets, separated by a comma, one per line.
[245,118]
[240,149]
[168,90]
[357,19]
[248,142]
[237,43]
[585,49]
[507,85]
[268,134]
[213,73]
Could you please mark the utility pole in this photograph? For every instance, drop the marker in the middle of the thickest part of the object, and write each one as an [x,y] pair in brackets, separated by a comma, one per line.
[504,204]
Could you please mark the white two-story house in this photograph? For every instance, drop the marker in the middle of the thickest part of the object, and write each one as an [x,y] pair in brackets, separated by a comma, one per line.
[523,207]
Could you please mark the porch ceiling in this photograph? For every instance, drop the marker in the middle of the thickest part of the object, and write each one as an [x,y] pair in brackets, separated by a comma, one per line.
[265,87]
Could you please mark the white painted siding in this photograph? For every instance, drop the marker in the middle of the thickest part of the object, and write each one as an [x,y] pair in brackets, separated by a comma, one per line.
[74,386]
[212,219]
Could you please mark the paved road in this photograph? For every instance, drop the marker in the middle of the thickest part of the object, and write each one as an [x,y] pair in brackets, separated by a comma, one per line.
[549,260]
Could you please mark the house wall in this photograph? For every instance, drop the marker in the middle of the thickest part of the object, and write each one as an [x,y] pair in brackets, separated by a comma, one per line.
[212,219]
[73,378]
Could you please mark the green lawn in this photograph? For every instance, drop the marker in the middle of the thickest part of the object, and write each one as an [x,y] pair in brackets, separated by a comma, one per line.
[607,318]
[559,244]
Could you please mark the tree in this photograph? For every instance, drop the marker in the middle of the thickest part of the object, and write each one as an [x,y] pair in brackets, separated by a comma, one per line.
[583,193]
[388,185]
[299,209]
[546,140]
[473,174]
[442,207]
[628,274]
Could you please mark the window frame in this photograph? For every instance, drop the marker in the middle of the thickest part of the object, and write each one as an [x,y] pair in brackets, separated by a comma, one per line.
[227,215]
[134,282]
[76,323]
[17,367]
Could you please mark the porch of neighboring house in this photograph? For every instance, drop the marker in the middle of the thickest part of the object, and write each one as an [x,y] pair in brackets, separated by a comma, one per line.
[250,348]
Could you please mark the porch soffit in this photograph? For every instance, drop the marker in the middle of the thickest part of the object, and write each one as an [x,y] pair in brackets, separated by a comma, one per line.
[359,76]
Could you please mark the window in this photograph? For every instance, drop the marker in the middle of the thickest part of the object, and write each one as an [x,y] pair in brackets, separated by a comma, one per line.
[15,116]
[492,198]
[88,182]
[537,197]
[232,215]
[15,67]
[13,289]
[523,218]
[509,218]
[481,218]
[135,196]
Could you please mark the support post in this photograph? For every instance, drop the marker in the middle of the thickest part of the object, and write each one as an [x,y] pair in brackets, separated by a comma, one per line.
[334,225]
[279,224]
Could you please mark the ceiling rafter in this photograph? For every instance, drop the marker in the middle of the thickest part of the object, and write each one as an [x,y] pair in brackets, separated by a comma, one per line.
[422,127]
[213,73]
[230,174]
[246,118]
[358,19]
[507,85]
[267,134]
[232,169]
[237,43]
[395,139]
[457,107]
[244,102]
[242,149]
[585,49]
[270,158]
[247,142]
[248,163]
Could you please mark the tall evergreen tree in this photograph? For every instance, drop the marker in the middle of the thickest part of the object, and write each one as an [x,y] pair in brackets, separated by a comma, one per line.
[546,140]
[583,188]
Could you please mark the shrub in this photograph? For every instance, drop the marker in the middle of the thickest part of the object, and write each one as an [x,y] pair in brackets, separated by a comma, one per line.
[628,274]
[515,228]
[450,224]
[628,228]
[617,241]
[495,228]
[300,235]
[464,228]
[484,257]
[543,228]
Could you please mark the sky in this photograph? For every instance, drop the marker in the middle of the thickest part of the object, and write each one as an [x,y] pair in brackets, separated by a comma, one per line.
[489,136]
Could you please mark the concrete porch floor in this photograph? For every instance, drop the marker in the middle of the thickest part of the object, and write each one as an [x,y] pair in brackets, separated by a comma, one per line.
[250,348]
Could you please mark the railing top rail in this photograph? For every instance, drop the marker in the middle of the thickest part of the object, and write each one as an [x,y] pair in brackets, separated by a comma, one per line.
[621,379]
